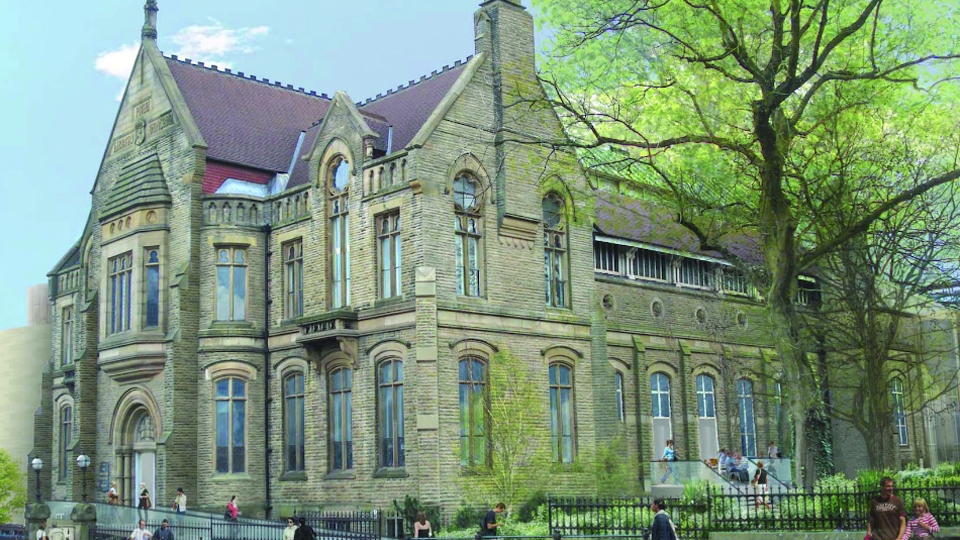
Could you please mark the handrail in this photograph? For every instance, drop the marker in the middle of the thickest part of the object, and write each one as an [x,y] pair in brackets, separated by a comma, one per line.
[769,474]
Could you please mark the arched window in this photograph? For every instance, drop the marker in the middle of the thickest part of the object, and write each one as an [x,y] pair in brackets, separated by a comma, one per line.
[899,413]
[66,437]
[391,413]
[705,397]
[473,418]
[212,213]
[152,287]
[293,422]
[707,415]
[467,202]
[660,395]
[231,284]
[561,413]
[338,199]
[341,419]
[388,254]
[660,411]
[555,251]
[226,213]
[748,429]
[392,178]
[293,278]
[621,412]
[66,336]
[231,425]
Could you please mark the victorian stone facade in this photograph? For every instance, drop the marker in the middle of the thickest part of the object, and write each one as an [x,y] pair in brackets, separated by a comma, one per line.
[283,296]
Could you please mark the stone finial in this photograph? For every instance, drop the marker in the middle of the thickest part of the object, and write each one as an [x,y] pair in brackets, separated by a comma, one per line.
[149,30]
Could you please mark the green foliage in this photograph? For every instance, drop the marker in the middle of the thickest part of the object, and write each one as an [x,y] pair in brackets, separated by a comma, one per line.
[527,511]
[411,507]
[612,473]
[869,479]
[516,411]
[13,491]
[694,492]
[945,469]
[468,517]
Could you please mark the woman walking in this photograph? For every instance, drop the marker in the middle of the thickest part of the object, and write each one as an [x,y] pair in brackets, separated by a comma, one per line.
[760,479]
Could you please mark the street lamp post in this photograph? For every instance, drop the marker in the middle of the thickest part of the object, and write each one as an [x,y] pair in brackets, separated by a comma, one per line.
[37,465]
[83,461]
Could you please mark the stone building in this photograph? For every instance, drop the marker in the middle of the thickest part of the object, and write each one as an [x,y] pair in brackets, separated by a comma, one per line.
[289,296]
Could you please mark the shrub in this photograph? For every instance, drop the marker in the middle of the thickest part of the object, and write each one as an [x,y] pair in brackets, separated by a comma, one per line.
[945,470]
[694,492]
[530,506]
[468,517]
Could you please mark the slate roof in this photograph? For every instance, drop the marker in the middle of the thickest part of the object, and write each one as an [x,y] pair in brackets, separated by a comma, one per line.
[247,121]
[408,107]
[650,223]
[140,182]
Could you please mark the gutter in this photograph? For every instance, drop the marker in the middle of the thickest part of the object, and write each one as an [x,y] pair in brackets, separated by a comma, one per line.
[267,400]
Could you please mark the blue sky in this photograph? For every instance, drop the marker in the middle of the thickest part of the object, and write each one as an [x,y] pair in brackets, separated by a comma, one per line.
[64,66]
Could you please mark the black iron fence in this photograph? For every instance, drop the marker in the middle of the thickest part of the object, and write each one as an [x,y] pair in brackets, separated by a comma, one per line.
[793,510]
[347,525]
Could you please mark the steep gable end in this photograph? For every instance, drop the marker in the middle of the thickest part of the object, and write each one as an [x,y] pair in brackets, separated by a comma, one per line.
[140,182]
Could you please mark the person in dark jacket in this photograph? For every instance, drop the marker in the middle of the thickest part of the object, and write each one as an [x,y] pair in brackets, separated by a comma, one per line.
[662,526]
[164,532]
[304,531]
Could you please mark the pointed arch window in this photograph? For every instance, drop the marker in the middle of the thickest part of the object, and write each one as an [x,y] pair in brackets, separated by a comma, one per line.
[555,251]
[389,254]
[621,411]
[338,201]
[899,412]
[706,406]
[293,422]
[561,413]
[66,435]
[151,277]
[469,231]
[748,429]
[293,279]
[390,412]
[473,417]
[341,419]
[66,337]
[231,425]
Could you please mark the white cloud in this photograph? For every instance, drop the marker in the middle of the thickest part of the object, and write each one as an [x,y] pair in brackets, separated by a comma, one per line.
[213,42]
[119,62]
[209,44]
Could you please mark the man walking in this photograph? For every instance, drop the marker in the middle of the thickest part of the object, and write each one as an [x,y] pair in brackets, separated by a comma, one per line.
[663,528]
[888,515]
[42,531]
[489,525]
[304,531]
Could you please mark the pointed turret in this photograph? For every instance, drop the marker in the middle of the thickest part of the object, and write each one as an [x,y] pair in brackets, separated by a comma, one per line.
[149,30]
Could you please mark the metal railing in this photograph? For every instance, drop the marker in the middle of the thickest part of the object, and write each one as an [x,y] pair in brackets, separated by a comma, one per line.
[783,510]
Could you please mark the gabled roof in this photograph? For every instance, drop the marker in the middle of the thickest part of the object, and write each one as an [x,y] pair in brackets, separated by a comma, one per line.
[70,258]
[650,223]
[245,120]
[408,107]
[140,182]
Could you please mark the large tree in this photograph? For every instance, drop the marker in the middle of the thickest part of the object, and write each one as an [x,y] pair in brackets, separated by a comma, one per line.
[13,489]
[740,110]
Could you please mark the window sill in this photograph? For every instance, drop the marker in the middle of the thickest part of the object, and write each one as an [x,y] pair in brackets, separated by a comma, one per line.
[347,474]
[391,472]
[294,476]
[229,477]
[230,329]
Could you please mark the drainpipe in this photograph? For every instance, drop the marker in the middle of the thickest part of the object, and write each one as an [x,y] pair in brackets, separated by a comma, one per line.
[266,364]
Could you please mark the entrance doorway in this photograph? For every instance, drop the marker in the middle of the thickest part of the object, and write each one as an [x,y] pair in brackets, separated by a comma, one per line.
[136,458]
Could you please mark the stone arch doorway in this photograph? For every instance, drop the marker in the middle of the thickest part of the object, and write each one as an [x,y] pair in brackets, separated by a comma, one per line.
[135,436]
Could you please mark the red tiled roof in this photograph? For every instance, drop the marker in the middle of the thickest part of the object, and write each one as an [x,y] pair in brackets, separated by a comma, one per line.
[650,223]
[245,121]
[218,171]
[408,107]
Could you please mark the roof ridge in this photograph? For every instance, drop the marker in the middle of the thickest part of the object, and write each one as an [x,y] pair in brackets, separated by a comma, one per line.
[411,83]
[253,78]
